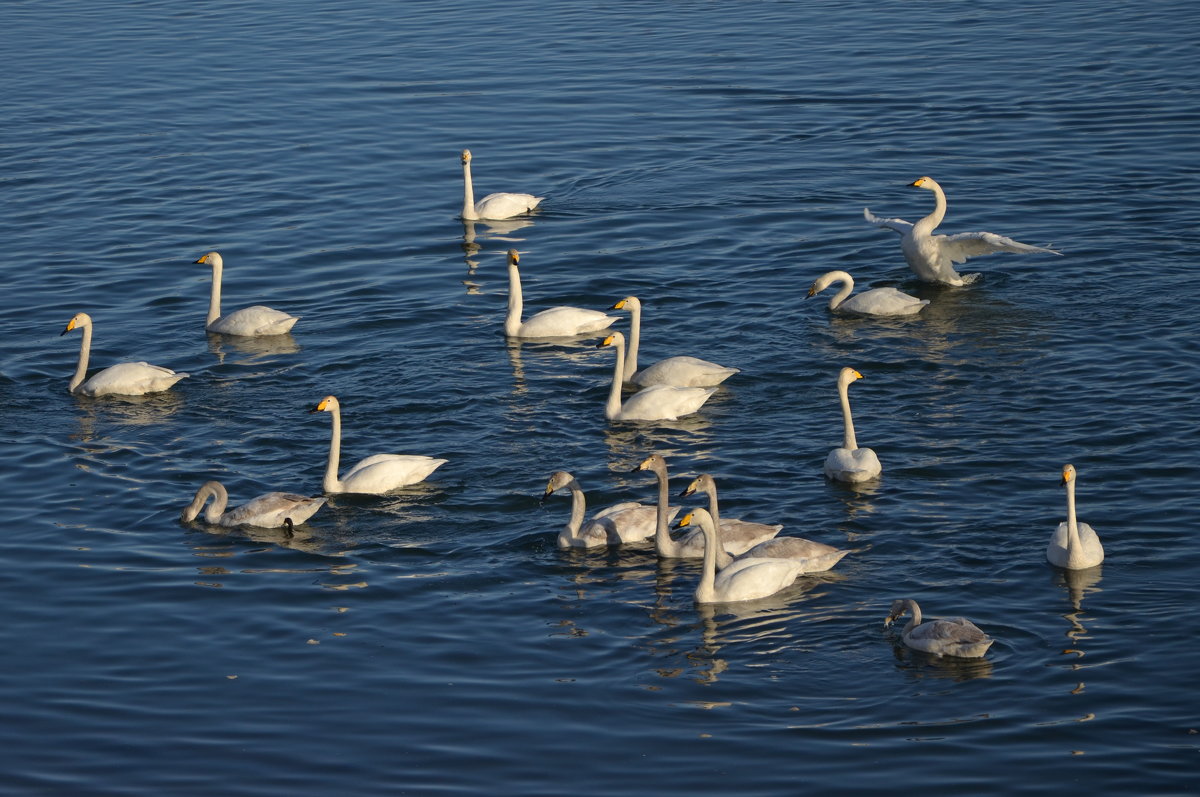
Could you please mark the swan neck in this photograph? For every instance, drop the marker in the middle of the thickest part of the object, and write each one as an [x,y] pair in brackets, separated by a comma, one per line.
[613,408]
[847,283]
[849,441]
[512,323]
[214,297]
[915,619]
[1073,541]
[929,223]
[215,510]
[662,535]
[85,353]
[331,483]
[711,491]
[706,591]
[578,508]
[635,336]
[468,211]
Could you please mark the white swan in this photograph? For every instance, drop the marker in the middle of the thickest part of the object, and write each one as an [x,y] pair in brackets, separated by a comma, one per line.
[1074,545]
[737,536]
[269,511]
[877,301]
[743,579]
[949,636]
[255,322]
[493,206]
[850,463]
[932,257]
[122,379]
[557,322]
[620,523]
[654,403]
[373,475]
[690,545]
[680,371]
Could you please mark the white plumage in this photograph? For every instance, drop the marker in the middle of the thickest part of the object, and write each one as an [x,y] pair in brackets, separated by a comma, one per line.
[654,403]
[620,523]
[253,322]
[493,206]
[1074,545]
[556,322]
[122,379]
[679,371]
[850,463]
[876,301]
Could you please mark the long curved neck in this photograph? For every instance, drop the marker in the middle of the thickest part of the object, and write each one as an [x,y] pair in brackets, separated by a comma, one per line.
[512,323]
[212,514]
[711,490]
[214,297]
[662,534]
[578,508]
[847,288]
[85,352]
[331,483]
[468,211]
[928,224]
[848,441]
[915,611]
[635,336]
[1073,541]
[613,408]
[705,591]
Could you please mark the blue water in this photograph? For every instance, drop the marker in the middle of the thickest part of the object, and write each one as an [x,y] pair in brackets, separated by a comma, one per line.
[712,158]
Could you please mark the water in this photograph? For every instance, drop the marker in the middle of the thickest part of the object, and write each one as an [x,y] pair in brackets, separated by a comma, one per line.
[712,159]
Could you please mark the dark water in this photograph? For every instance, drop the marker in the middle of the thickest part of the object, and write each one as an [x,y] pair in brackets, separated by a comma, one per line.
[712,158]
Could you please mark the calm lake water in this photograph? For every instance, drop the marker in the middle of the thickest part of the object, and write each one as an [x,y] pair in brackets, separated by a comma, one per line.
[712,158]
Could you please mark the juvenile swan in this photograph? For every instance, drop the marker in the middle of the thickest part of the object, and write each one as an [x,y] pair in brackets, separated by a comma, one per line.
[625,522]
[877,301]
[737,536]
[373,475]
[850,463]
[493,206]
[680,371]
[654,403]
[950,636]
[252,322]
[930,256]
[1074,545]
[742,580]
[269,511]
[689,546]
[557,322]
[122,379]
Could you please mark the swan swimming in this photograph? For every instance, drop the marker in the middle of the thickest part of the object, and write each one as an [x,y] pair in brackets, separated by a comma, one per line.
[122,379]
[876,301]
[556,322]
[493,206]
[932,257]
[1074,545]
[680,371]
[253,322]
[850,463]
[741,580]
[949,636]
[737,536]
[269,511]
[620,523]
[654,403]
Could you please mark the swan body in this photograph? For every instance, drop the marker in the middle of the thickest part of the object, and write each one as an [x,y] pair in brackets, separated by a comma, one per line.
[269,511]
[557,322]
[122,379]
[620,523]
[850,463]
[813,557]
[877,301]
[493,206]
[932,257]
[949,636]
[742,580]
[376,474]
[736,537]
[654,403]
[1074,545]
[680,371]
[254,322]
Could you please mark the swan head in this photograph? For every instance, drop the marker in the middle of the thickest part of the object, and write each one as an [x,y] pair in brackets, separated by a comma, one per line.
[632,302]
[654,462]
[1068,475]
[514,257]
[848,375]
[825,280]
[703,482]
[899,607]
[928,183]
[78,321]
[466,156]
[211,259]
[697,517]
[558,480]
[613,339]
[327,404]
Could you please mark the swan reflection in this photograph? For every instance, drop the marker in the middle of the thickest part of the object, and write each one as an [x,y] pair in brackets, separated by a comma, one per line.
[926,665]
[248,350]
[1077,583]
[147,410]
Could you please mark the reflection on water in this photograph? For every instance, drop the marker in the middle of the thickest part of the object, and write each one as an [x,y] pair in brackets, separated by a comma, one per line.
[500,231]
[252,350]
[150,409]
[1077,583]
[918,664]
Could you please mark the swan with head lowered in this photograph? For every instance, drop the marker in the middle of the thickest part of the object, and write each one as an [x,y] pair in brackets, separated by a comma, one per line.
[1074,545]
[269,511]
[373,475]
[556,322]
[876,301]
[253,322]
[654,403]
[122,379]
[493,206]
[949,636]
[850,463]
[628,521]
[680,371]
[742,579]
[932,257]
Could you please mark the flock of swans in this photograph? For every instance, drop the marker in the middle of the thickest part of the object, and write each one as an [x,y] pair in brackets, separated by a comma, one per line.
[741,560]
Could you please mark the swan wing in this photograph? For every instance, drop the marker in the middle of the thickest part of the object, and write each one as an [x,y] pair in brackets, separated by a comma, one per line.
[882,301]
[683,371]
[750,579]
[130,379]
[899,225]
[964,245]
[269,510]
[621,523]
[796,548]
[384,472]
[954,636]
[1060,554]
[739,536]
[256,321]
[504,205]
[664,403]
[860,464]
[557,322]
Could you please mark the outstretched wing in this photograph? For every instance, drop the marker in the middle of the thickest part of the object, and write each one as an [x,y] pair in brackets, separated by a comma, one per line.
[899,225]
[965,245]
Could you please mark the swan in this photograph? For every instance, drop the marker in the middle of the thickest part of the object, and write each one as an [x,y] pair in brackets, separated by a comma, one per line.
[931,256]
[122,379]
[877,301]
[737,536]
[556,322]
[269,511]
[680,371]
[625,522]
[950,636]
[375,474]
[493,206]
[255,322]
[654,403]
[1073,545]
[850,463]
[743,579]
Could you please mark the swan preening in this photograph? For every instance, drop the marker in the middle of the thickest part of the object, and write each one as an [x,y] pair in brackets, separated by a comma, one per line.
[876,301]
[619,523]
[493,206]
[680,371]
[1074,545]
[373,475]
[654,403]
[270,511]
[742,579]
[949,636]
[257,321]
[122,379]
[932,257]
[556,322]
[850,463]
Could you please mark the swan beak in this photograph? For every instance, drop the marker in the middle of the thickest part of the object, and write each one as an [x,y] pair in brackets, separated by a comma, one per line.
[1063,481]
[319,408]
[545,495]
[618,306]
[811,292]
[606,342]
[687,521]
[202,260]
[888,621]
[687,491]
[70,326]
[857,375]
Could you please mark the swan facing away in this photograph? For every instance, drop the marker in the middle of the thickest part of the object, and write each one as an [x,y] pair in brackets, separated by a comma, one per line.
[373,475]
[620,523]
[850,463]
[253,322]
[741,580]
[877,301]
[736,536]
[556,322]
[949,636]
[493,206]
[932,257]
[122,379]
[269,511]
[1074,545]
[654,403]
[680,371]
